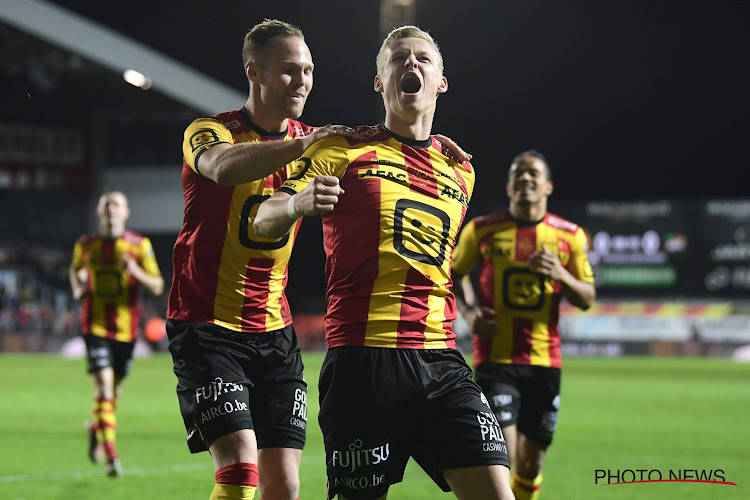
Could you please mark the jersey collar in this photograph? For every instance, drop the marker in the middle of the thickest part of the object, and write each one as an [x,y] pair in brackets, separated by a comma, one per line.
[261,132]
[409,142]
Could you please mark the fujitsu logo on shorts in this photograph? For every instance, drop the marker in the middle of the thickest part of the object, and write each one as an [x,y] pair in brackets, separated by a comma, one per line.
[356,457]
[216,389]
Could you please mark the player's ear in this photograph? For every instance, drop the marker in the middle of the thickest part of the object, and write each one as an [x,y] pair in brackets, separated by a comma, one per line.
[378,85]
[252,71]
[550,187]
[443,87]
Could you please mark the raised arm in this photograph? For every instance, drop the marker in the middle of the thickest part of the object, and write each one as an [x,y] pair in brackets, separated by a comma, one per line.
[234,164]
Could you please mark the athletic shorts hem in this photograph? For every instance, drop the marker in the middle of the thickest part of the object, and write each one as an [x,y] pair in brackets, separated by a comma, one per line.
[294,444]
[478,463]
[199,444]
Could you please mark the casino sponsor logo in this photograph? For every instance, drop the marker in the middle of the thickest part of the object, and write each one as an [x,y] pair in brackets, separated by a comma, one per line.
[299,411]
[356,456]
[359,483]
[492,437]
[215,389]
[223,409]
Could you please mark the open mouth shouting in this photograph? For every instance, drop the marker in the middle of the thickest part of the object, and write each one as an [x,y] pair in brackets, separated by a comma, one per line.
[411,84]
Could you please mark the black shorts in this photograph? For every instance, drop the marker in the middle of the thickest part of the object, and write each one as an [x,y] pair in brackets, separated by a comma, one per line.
[524,395]
[228,381]
[103,352]
[379,406]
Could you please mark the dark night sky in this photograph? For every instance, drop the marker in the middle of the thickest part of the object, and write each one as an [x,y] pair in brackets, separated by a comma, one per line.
[629,100]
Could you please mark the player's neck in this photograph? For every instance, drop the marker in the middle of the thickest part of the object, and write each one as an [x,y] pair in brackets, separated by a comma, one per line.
[111,231]
[529,213]
[418,129]
[264,118]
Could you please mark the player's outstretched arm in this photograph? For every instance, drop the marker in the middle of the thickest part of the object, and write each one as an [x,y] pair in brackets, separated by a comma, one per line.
[234,164]
[277,214]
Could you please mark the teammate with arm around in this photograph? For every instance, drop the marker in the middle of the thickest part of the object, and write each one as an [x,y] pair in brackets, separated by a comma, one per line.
[241,388]
[528,260]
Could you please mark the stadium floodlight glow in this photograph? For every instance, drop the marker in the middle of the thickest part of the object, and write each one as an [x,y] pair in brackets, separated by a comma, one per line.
[137,79]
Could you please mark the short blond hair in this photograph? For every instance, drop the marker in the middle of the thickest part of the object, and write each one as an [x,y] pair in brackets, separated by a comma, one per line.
[406,32]
[261,35]
[109,192]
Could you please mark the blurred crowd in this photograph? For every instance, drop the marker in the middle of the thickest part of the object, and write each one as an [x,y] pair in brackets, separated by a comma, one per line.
[37,309]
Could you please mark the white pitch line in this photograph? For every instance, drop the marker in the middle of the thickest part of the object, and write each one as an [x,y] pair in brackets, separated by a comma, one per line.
[126,471]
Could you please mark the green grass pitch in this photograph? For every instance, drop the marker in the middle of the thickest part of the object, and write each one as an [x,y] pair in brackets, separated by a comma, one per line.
[616,414]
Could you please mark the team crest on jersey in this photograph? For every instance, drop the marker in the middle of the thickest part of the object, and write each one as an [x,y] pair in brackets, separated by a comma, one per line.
[525,247]
[108,283]
[421,232]
[203,138]
[523,289]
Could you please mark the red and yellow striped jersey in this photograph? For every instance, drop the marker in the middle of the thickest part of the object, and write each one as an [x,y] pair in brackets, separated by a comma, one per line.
[527,305]
[223,272]
[111,307]
[389,239]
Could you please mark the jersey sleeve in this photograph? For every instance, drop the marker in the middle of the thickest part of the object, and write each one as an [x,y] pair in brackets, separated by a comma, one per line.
[466,253]
[147,258]
[202,135]
[579,265]
[470,177]
[325,157]
[77,261]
